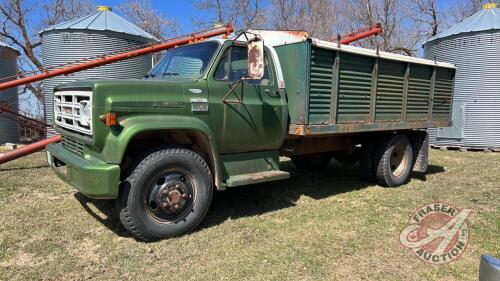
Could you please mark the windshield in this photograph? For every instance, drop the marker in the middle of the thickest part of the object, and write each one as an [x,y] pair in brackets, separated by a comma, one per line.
[189,61]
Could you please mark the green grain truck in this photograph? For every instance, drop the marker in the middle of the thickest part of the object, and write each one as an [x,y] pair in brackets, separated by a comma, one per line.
[220,113]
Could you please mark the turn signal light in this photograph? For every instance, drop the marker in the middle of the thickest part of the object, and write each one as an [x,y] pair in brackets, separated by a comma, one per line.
[111,119]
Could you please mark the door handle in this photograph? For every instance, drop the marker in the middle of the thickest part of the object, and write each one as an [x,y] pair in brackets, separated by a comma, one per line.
[273,92]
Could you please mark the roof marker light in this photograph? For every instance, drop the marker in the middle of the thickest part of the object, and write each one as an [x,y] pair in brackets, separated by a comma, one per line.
[489,6]
[104,8]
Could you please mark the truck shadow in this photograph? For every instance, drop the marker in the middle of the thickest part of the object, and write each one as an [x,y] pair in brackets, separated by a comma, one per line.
[431,170]
[258,199]
[262,198]
[103,211]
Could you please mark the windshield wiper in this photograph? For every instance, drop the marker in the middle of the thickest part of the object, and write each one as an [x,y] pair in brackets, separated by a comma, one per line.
[149,75]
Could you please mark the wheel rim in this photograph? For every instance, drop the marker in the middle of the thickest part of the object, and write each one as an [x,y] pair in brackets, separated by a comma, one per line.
[399,160]
[170,196]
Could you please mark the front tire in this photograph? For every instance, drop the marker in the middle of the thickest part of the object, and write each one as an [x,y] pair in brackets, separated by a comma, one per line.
[393,161]
[167,194]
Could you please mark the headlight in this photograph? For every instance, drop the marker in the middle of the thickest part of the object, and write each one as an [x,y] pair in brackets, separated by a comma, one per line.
[85,112]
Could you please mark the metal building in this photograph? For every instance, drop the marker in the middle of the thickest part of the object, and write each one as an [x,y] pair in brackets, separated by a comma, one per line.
[474,46]
[102,32]
[9,129]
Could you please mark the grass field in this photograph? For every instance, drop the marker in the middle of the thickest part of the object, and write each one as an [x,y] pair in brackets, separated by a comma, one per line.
[315,226]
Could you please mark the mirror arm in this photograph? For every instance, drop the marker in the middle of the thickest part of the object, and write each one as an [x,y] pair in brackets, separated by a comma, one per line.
[244,33]
[232,87]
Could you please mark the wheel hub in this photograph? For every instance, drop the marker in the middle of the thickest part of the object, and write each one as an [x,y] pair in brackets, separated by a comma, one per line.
[174,197]
[398,161]
[170,196]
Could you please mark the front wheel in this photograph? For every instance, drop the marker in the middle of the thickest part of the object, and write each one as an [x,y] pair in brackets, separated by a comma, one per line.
[166,195]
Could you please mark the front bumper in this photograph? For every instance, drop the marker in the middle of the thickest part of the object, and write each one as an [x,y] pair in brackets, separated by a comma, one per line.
[92,177]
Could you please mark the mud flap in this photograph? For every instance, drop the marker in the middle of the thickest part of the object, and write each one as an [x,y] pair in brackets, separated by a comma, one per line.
[420,145]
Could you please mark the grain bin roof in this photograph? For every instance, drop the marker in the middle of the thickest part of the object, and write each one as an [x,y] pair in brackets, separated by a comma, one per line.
[486,19]
[103,20]
[9,47]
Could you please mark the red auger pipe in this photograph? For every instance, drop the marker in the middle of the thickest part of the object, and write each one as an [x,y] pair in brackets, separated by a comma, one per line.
[28,149]
[226,30]
[355,36]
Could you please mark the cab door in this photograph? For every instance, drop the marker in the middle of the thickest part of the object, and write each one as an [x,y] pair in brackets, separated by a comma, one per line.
[248,117]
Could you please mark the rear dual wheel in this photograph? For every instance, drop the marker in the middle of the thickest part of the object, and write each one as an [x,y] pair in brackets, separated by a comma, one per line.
[388,161]
[393,161]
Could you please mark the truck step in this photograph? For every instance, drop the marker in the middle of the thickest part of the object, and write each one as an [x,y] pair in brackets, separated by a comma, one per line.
[256,178]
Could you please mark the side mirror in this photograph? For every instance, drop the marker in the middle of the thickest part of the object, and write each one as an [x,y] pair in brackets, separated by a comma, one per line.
[255,58]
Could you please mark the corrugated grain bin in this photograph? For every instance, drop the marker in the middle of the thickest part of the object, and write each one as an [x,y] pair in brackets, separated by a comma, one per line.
[474,46]
[93,35]
[9,129]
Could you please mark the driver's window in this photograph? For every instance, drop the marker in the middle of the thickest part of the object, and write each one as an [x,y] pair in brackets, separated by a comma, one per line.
[238,67]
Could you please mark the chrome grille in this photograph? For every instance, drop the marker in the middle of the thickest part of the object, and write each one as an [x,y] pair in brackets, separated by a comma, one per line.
[72,145]
[73,111]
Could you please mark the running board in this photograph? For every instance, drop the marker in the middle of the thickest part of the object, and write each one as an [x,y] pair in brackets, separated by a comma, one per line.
[256,178]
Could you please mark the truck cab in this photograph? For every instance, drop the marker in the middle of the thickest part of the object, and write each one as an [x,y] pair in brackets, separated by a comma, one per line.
[219,114]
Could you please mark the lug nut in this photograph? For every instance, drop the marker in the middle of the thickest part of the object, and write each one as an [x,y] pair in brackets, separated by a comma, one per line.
[164,205]
[177,206]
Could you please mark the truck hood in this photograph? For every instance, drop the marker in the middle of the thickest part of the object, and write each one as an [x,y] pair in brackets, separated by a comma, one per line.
[130,94]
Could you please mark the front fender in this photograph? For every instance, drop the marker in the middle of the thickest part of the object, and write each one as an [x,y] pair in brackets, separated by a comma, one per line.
[118,140]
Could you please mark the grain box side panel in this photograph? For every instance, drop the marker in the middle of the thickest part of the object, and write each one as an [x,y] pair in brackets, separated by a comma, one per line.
[443,94]
[390,91]
[419,89]
[320,85]
[294,60]
[355,86]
